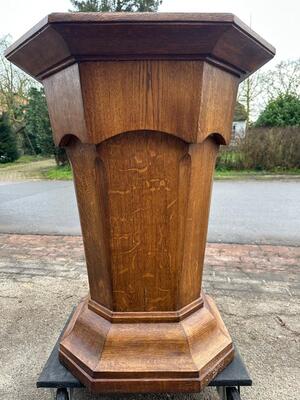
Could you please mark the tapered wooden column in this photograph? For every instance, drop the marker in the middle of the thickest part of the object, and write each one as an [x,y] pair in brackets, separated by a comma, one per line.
[141,102]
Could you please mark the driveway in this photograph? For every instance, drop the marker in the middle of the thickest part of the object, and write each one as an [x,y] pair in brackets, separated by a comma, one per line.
[21,171]
[262,212]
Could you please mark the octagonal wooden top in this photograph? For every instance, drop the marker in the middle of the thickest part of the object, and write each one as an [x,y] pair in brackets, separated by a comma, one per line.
[62,39]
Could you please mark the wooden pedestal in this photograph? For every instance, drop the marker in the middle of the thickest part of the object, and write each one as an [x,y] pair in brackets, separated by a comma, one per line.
[141,103]
[146,353]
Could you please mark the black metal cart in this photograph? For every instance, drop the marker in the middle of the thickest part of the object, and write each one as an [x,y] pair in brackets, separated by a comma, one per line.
[55,376]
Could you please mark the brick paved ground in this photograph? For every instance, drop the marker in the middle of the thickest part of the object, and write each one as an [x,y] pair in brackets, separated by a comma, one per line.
[256,288]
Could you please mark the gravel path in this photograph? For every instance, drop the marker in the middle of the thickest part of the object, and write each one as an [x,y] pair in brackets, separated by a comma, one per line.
[26,171]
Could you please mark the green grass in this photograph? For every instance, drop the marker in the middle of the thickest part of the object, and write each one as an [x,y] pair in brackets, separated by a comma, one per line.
[240,174]
[65,173]
[58,173]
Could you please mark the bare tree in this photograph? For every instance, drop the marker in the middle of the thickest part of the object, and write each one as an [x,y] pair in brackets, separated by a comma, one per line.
[252,94]
[116,5]
[14,85]
[284,79]
[256,91]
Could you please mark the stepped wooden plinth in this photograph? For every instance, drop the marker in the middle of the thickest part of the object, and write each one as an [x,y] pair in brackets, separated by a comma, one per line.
[141,102]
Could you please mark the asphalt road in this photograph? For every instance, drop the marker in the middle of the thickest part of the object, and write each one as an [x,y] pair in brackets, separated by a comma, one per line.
[266,212]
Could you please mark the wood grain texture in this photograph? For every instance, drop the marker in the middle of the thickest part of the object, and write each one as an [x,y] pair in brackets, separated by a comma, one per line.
[142,200]
[195,211]
[91,193]
[186,99]
[64,94]
[156,95]
[218,98]
[144,218]
[147,357]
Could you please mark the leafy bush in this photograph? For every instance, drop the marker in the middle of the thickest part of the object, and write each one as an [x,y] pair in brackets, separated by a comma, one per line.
[8,144]
[282,111]
[38,129]
[263,149]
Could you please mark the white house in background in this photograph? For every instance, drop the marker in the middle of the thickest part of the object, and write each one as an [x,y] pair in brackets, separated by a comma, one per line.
[239,125]
[239,128]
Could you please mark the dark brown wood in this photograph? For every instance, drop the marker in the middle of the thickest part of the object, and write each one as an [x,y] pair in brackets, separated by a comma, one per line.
[78,37]
[142,102]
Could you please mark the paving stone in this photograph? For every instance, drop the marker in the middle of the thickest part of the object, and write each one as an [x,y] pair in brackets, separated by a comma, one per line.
[43,277]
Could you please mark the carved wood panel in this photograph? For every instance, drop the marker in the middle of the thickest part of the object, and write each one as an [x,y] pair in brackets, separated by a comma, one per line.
[143,200]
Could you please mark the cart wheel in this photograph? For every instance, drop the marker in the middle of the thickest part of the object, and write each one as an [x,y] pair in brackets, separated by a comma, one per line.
[62,394]
[233,394]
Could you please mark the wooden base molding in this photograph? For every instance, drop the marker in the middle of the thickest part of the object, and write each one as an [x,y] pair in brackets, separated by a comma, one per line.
[178,356]
[145,316]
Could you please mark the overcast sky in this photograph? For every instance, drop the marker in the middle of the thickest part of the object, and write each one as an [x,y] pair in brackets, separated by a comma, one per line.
[276,21]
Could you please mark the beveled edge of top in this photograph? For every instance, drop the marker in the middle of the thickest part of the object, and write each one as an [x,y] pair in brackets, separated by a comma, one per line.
[139,18]
[62,39]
